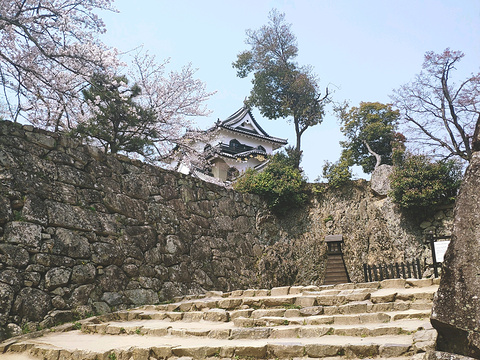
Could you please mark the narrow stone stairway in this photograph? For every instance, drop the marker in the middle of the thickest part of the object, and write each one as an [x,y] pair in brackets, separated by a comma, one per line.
[379,320]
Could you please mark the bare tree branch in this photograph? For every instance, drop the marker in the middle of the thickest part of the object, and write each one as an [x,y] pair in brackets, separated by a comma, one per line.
[435,110]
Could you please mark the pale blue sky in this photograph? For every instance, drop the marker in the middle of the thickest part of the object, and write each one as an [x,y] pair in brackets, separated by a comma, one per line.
[361,49]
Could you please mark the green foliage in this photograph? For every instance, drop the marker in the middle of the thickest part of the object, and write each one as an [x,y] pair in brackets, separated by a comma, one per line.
[18,215]
[119,124]
[337,174]
[369,125]
[280,184]
[328,218]
[281,88]
[419,184]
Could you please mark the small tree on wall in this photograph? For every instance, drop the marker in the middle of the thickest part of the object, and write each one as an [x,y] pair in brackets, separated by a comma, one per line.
[281,184]
[419,185]
[370,130]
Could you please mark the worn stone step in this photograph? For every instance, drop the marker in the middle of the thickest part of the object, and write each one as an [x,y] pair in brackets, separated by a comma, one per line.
[385,319]
[420,308]
[381,292]
[276,327]
[214,296]
[75,345]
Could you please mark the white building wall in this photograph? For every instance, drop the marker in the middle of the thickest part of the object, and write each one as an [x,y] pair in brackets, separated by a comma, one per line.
[225,137]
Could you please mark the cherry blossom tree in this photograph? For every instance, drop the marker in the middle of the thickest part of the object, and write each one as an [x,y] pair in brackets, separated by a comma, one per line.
[440,113]
[50,54]
[49,50]
[175,98]
[149,118]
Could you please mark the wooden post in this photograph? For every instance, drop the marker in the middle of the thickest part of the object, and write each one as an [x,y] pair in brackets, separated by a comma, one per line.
[434,256]
[375,272]
[420,274]
[414,268]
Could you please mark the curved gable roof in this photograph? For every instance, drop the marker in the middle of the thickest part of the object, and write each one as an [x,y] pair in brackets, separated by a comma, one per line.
[242,121]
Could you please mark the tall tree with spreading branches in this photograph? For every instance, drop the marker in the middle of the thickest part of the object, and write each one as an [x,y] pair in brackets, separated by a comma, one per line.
[50,53]
[174,97]
[370,130]
[439,112]
[281,87]
[49,50]
[148,118]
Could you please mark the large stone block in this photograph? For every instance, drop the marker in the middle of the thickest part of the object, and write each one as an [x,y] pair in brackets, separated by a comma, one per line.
[34,210]
[43,140]
[6,301]
[113,279]
[142,296]
[24,233]
[5,210]
[106,254]
[78,218]
[83,273]
[380,181]
[32,304]
[14,255]
[57,277]
[456,310]
[125,205]
[70,243]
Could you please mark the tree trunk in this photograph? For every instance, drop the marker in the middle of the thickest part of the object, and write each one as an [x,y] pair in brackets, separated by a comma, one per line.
[297,146]
[476,137]
[377,156]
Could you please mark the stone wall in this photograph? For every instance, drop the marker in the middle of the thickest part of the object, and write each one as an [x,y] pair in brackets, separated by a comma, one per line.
[83,232]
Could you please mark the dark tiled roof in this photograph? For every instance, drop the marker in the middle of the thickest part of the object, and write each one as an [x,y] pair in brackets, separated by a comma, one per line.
[248,153]
[230,122]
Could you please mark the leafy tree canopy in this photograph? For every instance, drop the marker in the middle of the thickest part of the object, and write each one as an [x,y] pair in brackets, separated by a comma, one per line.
[281,88]
[50,51]
[338,173]
[370,130]
[280,184]
[420,184]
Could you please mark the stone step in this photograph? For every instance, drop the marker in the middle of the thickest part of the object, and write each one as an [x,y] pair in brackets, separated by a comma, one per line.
[76,345]
[292,290]
[387,319]
[352,313]
[223,315]
[328,297]
[269,329]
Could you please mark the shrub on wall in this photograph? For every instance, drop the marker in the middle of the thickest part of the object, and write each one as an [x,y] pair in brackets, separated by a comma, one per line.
[337,174]
[280,184]
[419,184]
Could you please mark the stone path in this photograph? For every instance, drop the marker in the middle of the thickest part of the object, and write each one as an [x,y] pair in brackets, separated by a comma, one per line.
[380,320]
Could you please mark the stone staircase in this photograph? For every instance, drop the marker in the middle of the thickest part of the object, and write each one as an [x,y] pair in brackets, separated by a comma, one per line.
[335,272]
[379,320]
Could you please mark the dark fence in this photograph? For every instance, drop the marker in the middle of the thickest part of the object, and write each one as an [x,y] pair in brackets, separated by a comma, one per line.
[379,272]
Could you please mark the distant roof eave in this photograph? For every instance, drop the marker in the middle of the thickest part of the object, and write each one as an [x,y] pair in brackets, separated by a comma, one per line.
[248,133]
